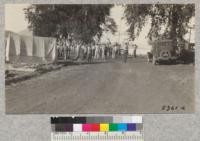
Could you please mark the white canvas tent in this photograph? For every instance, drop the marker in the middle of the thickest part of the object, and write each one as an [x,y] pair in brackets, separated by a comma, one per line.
[31,49]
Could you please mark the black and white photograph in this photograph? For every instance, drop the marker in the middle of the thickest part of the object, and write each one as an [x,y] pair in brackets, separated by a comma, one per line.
[99,58]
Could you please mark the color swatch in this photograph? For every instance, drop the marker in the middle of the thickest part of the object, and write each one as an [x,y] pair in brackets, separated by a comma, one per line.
[97,124]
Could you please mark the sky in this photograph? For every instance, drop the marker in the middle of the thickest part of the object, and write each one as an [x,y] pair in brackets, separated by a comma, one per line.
[15,21]
[15,18]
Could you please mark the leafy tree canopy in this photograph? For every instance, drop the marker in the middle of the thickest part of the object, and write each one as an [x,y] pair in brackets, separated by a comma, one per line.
[167,20]
[80,22]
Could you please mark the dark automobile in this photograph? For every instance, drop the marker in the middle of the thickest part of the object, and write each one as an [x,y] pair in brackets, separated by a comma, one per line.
[162,51]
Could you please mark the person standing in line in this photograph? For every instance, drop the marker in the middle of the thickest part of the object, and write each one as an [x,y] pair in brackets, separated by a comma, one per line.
[67,48]
[114,51]
[103,52]
[93,50]
[119,51]
[126,53]
[110,52]
[134,51]
[64,48]
[59,44]
[85,51]
[100,51]
[78,50]
[96,52]
[89,54]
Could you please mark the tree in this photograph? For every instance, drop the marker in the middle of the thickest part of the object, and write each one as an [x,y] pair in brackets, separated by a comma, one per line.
[167,20]
[79,22]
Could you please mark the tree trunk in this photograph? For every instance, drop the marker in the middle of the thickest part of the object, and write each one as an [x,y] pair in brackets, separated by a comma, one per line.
[174,22]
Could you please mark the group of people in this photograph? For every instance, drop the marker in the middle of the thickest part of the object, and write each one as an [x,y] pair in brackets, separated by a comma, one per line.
[78,50]
[96,51]
[64,48]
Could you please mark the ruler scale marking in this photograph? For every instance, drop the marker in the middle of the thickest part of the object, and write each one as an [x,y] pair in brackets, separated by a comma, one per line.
[123,128]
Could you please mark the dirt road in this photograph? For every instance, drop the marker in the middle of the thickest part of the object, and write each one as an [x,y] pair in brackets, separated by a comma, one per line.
[111,87]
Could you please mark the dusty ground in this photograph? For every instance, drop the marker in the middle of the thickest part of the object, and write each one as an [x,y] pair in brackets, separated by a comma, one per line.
[112,87]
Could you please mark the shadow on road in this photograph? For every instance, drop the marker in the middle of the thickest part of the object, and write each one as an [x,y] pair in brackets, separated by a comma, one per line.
[73,63]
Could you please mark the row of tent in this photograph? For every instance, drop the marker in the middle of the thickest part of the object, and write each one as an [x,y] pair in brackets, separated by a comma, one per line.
[29,49]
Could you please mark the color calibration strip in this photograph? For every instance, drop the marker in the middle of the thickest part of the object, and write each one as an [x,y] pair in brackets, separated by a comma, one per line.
[97,128]
[96,124]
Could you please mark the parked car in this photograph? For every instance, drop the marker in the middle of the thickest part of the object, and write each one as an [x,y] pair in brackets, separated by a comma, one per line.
[186,56]
[163,51]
